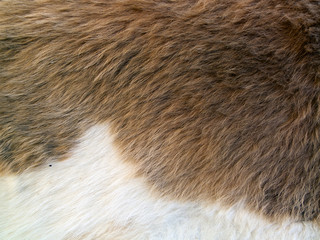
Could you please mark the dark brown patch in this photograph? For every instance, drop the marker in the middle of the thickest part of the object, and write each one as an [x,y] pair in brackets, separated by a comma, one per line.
[210,99]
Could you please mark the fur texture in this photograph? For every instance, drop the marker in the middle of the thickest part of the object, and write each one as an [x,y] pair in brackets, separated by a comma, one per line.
[95,195]
[209,100]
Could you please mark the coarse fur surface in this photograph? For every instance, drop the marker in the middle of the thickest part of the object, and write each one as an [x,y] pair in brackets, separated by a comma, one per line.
[96,195]
[208,101]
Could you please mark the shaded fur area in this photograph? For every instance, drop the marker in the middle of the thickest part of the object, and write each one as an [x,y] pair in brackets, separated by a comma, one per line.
[209,99]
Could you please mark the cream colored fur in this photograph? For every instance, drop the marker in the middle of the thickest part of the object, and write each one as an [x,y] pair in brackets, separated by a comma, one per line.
[95,195]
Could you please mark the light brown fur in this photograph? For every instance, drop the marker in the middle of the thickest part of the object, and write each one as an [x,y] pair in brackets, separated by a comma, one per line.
[209,99]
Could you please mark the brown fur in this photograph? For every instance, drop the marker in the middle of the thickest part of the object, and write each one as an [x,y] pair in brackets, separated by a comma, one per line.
[210,99]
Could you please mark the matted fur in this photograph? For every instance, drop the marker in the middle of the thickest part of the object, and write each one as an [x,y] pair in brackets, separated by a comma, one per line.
[208,99]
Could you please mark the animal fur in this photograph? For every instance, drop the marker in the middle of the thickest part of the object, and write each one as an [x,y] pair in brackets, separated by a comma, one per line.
[208,100]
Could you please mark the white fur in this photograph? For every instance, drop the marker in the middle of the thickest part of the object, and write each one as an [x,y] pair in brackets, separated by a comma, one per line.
[96,195]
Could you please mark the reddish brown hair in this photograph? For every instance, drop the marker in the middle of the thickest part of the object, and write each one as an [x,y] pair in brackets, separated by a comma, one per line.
[209,99]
